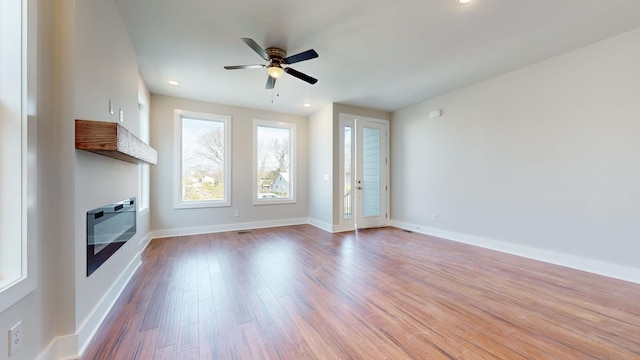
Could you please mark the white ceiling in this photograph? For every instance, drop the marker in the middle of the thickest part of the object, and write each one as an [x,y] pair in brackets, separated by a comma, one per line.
[380,54]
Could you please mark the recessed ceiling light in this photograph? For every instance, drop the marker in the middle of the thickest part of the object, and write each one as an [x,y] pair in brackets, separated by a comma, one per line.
[463,1]
[306,105]
[174,82]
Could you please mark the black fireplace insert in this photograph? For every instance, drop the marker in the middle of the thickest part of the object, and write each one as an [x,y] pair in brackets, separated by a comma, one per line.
[108,228]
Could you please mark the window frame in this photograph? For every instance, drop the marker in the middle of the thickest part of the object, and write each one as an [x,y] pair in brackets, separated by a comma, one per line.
[143,168]
[292,199]
[19,55]
[179,115]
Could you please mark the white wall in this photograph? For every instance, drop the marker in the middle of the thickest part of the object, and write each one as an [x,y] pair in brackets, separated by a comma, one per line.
[321,165]
[166,221]
[105,68]
[84,57]
[542,161]
[61,175]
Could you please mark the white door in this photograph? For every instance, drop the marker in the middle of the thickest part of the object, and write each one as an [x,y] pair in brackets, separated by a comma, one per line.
[371,173]
[364,161]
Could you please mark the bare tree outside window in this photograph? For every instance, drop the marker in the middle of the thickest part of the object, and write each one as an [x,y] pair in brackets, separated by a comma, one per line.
[203,160]
[274,162]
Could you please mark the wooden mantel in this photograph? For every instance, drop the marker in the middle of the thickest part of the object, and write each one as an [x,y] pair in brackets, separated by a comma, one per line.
[113,140]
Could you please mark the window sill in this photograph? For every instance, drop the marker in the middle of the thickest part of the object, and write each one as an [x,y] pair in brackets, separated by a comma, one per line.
[14,291]
[201,205]
[274,202]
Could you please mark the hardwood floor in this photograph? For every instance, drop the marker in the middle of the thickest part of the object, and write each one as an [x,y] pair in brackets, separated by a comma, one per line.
[301,293]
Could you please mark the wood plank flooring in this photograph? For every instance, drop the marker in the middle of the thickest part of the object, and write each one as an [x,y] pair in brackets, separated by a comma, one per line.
[301,293]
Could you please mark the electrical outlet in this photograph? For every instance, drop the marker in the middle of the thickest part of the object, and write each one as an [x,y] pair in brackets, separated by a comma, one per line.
[15,338]
[237,213]
[434,217]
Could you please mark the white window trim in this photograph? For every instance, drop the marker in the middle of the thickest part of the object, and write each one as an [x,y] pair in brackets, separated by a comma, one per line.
[178,115]
[143,168]
[292,199]
[13,290]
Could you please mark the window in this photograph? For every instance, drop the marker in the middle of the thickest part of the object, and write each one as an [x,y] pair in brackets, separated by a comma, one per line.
[143,168]
[347,207]
[203,159]
[274,162]
[17,185]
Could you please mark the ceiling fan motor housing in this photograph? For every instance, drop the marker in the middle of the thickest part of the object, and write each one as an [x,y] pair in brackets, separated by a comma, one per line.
[276,53]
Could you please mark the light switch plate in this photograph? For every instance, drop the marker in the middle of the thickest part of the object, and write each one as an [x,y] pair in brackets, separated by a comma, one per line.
[15,338]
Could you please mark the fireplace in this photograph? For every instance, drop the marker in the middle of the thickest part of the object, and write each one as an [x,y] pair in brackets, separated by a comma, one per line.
[108,228]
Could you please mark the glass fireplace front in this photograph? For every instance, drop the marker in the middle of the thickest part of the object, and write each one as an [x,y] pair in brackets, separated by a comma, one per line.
[108,228]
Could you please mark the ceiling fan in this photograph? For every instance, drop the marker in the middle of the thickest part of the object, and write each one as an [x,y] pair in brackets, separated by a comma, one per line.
[277,58]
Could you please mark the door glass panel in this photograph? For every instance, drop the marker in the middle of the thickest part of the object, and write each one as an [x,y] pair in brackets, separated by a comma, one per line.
[371,171]
[348,202]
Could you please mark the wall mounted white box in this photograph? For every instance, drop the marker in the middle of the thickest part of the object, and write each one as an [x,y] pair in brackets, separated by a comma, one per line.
[435,114]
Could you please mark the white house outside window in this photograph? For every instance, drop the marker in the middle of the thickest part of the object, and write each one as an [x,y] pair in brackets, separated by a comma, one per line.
[274,162]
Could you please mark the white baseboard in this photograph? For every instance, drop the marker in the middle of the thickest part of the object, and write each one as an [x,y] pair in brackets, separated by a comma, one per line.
[89,327]
[620,272]
[341,228]
[226,227]
[61,348]
[329,227]
[144,242]
[321,225]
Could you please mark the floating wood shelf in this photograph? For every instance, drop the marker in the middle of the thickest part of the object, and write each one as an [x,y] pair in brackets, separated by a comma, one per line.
[113,140]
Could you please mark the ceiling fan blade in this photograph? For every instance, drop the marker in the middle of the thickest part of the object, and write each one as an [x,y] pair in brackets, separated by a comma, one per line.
[271,83]
[306,55]
[236,67]
[257,48]
[301,76]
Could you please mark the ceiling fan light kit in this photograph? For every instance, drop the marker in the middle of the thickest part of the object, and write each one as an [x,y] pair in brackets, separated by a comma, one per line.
[277,58]
[275,71]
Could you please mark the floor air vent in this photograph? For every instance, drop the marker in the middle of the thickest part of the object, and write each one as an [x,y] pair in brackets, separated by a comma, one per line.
[244,232]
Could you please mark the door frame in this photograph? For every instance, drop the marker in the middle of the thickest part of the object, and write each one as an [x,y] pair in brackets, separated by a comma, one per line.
[350,120]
